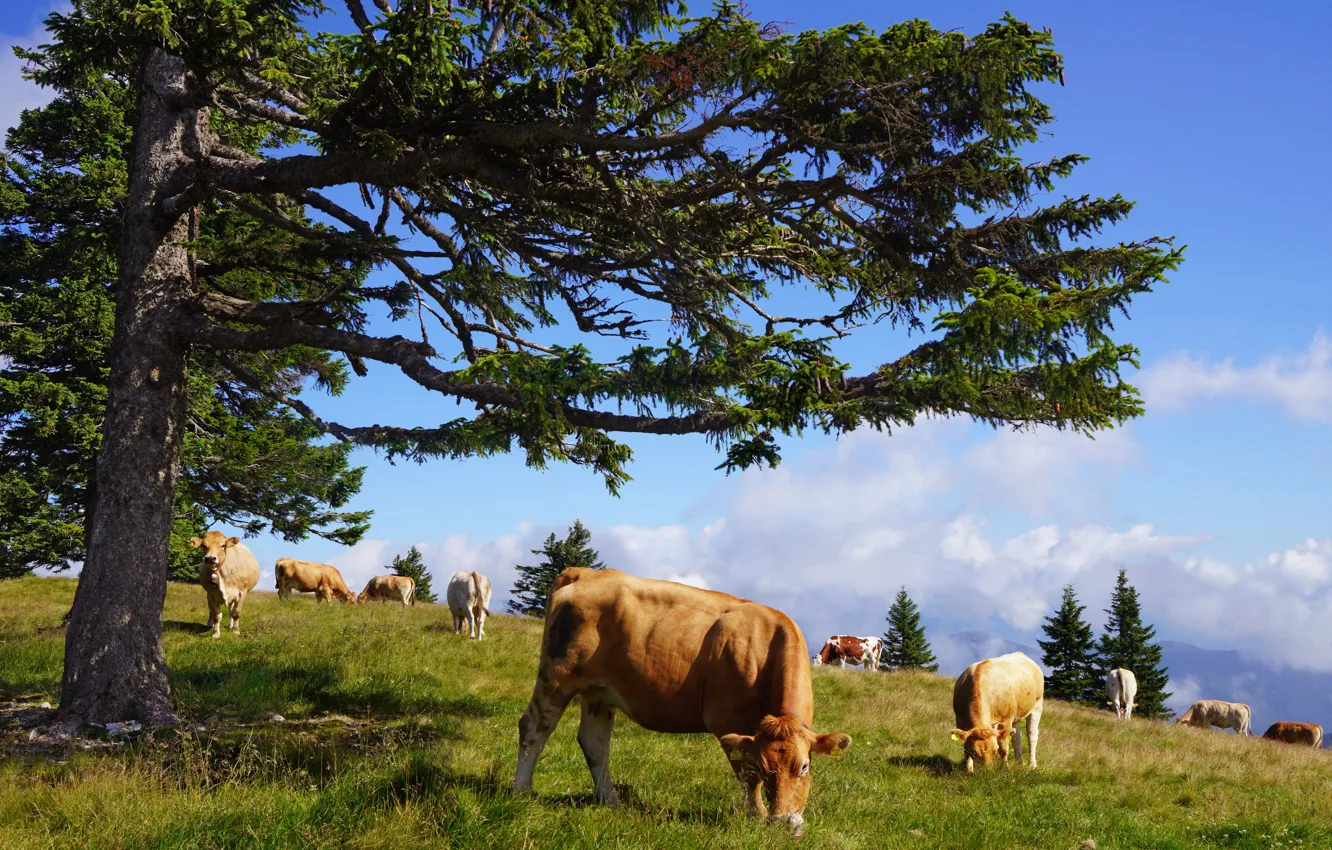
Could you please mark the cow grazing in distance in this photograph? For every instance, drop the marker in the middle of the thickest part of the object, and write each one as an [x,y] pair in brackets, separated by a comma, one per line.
[390,589]
[469,602]
[678,659]
[989,699]
[1206,713]
[229,572]
[324,581]
[1302,734]
[1121,686]
[839,649]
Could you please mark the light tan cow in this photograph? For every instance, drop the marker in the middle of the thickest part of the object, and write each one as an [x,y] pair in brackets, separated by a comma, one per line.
[989,699]
[1121,686]
[678,659]
[229,572]
[1206,713]
[389,589]
[324,581]
[468,596]
[1301,734]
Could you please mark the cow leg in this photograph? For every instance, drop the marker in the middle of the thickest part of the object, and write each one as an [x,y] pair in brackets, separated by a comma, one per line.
[1034,729]
[471,624]
[235,609]
[214,616]
[480,616]
[594,736]
[538,721]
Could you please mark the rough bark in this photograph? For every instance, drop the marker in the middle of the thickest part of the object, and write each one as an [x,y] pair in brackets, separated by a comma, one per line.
[114,665]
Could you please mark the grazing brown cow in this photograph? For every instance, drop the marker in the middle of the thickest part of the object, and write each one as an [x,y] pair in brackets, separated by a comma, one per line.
[229,572]
[468,595]
[989,699]
[1304,734]
[1206,713]
[840,649]
[390,588]
[324,581]
[676,658]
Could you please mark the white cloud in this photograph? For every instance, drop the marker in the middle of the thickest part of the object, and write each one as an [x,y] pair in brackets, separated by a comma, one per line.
[1299,383]
[691,579]
[1184,693]
[16,93]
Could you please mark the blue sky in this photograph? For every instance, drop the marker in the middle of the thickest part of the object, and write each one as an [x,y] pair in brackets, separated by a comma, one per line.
[1214,118]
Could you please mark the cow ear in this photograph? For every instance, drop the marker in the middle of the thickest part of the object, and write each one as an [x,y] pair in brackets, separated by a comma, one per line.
[830,743]
[737,747]
[196,542]
[959,735]
[232,541]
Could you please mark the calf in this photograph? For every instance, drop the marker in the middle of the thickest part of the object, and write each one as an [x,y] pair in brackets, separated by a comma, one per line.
[469,601]
[389,589]
[678,659]
[1121,686]
[229,572]
[1302,734]
[839,649]
[324,581]
[989,699]
[1206,713]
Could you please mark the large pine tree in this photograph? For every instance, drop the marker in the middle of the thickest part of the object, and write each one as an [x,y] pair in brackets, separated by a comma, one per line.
[1127,643]
[535,177]
[531,592]
[1070,654]
[413,566]
[904,644]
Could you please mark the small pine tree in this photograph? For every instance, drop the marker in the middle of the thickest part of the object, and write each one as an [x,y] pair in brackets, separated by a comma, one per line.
[1128,643]
[413,566]
[1070,654]
[904,644]
[531,592]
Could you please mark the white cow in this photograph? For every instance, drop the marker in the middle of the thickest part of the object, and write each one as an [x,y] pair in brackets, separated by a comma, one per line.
[1121,686]
[1224,715]
[469,600]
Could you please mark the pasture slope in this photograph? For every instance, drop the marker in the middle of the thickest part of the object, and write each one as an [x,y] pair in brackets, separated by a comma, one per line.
[397,734]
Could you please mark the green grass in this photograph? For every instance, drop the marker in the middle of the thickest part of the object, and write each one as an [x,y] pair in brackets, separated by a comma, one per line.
[399,734]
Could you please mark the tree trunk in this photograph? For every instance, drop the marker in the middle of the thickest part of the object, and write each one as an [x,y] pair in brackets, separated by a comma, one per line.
[114,665]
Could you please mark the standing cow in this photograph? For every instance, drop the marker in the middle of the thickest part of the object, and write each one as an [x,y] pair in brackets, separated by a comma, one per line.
[323,580]
[839,649]
[229,572]
[1121,686]
[678,659]
[469,601]
[1300,734]
[390,588]
[1206,713]
[989,699]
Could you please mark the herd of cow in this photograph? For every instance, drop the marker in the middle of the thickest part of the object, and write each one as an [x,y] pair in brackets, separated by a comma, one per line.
[231,571]
[675,658]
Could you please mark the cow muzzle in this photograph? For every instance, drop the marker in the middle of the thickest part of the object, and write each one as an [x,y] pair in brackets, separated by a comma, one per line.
[210,559]
[795,821]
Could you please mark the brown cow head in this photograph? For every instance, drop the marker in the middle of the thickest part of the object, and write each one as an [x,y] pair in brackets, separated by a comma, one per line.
[215,547]
[779,757]
[984,745]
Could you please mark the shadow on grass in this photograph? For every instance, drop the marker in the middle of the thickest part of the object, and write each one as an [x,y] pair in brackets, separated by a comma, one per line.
[255,687]
[196,627]
[936,765]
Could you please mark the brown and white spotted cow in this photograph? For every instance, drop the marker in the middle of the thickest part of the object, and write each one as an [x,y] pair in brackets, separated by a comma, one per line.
[676,658]
[838,650]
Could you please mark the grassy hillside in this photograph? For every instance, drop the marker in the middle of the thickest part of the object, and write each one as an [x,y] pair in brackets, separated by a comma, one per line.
[399,734]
